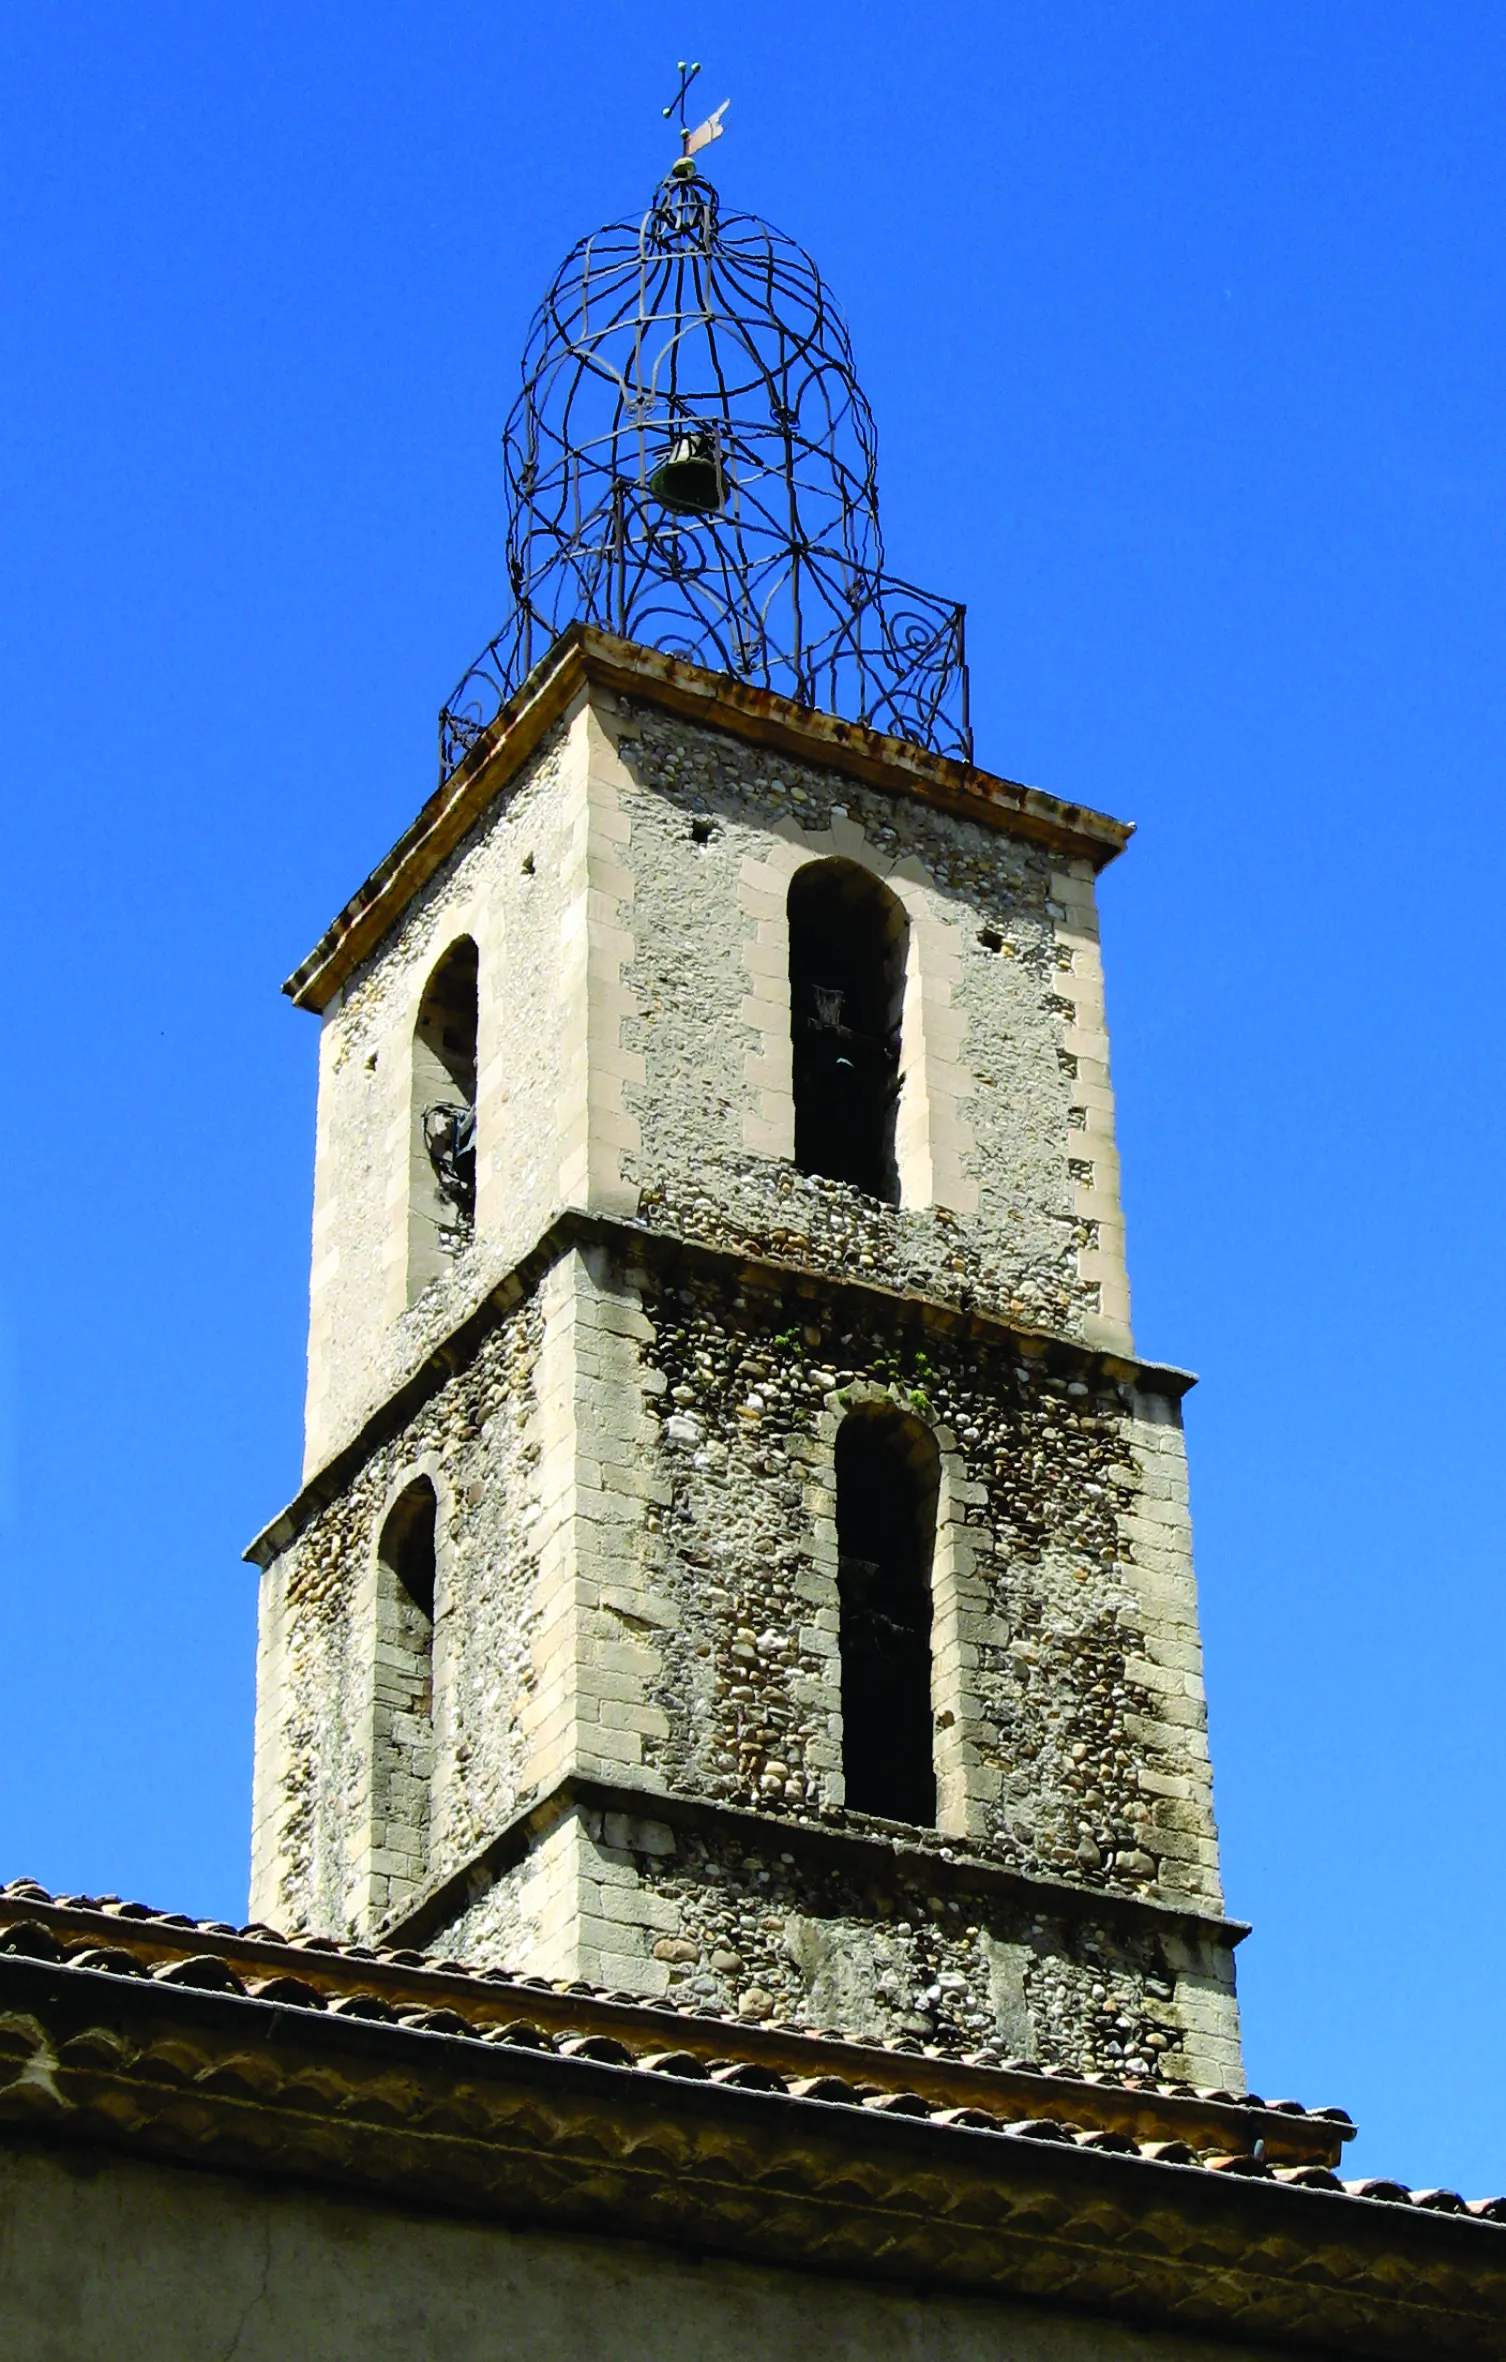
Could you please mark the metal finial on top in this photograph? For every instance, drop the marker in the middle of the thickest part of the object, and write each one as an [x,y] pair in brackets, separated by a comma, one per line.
[691,142]
[691,464]
[687,76]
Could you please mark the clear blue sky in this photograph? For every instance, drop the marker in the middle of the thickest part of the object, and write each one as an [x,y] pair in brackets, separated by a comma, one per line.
[1183,324]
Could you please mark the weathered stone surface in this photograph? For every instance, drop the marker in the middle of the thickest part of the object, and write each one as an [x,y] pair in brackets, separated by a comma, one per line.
[627,1392]
[625,891]
[318,1858]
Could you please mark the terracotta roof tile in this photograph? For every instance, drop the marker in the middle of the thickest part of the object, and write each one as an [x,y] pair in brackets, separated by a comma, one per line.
[130,1934]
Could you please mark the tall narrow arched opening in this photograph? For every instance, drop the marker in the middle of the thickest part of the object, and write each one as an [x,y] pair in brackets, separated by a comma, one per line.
[888,1482]
[403,1724]
[848,941]
[442,1127]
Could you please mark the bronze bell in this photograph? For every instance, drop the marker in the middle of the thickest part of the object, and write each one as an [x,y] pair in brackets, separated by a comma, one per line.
[689,477]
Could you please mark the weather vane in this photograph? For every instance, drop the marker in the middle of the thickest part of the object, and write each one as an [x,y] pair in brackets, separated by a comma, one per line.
[691,142]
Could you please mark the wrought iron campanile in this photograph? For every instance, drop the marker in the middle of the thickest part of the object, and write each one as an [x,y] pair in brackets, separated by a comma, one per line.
[691,464]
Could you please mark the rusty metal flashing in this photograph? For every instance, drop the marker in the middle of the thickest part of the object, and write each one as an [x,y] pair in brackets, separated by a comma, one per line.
[587,658]
[223,2082]
[573,1227]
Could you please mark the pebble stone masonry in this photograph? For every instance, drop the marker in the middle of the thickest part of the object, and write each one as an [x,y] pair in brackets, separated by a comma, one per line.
[626,1387]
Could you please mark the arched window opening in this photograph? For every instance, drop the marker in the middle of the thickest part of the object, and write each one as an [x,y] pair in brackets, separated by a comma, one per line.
[848,941]
[888,1479]
[407,1553]
[442,1156]
[403,1755]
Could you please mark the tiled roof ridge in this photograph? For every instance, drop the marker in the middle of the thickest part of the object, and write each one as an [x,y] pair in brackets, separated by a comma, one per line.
[1248,2134]
[406,1957]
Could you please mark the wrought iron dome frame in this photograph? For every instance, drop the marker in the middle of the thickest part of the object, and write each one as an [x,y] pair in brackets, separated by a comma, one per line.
[694,332]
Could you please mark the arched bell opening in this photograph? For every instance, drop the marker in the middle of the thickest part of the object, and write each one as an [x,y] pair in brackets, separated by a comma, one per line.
[888,1484]
[403,1718]
[442,1132]
[849,937]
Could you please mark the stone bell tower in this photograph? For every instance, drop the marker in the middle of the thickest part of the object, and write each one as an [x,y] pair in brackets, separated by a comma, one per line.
[740,1555]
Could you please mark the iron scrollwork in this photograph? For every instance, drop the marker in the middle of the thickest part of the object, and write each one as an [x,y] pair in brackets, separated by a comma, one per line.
[692,464]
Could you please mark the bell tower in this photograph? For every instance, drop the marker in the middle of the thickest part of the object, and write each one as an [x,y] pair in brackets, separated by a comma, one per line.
[740,1557]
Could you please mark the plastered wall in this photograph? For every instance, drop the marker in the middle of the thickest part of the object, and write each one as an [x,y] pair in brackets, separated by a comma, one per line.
[108,2260]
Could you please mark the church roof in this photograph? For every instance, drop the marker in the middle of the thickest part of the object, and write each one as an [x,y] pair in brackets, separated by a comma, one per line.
[436,2082]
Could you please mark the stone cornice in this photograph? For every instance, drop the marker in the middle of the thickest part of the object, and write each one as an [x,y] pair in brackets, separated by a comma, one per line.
[430,2119]
[455,1349]
[586,658]
[953,1864]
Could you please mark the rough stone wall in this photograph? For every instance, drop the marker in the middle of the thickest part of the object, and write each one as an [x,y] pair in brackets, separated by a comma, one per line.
[541,1452]
[1069,1705]
[626,894]
[587,1709]
[638,1583]
[702,1660]
[401,1781]
[637,1543]
[321,1861]
[1010,1194]
[886,1955]
[512,884]
[534,1918]
[736,1917]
